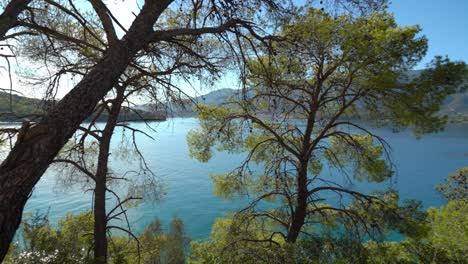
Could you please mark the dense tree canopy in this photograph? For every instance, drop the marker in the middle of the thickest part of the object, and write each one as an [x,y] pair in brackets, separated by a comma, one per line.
[303,109]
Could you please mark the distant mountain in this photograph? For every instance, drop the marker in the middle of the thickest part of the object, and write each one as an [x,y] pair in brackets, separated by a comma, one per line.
[456,107]
[217,97]
[133,114]
[186,107]
[24,106]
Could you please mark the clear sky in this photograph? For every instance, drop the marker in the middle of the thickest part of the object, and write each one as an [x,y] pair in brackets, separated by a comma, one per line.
[444,22]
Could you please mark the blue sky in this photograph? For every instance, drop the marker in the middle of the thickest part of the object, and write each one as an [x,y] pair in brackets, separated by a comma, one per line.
[444,22]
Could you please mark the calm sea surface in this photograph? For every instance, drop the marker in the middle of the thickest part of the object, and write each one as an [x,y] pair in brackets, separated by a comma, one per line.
[421,164]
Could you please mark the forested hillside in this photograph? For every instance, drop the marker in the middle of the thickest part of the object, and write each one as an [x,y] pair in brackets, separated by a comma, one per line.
[19,105]
[24,107]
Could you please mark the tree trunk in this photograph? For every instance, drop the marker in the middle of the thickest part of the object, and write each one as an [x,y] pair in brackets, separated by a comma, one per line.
[37,145]
[100,221]
[9,17]
[300,212]
[100,217]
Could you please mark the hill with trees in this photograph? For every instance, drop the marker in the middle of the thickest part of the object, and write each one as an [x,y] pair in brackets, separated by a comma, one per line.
[25,107]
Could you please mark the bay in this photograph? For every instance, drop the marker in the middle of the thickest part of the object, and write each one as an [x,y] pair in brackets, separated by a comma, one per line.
[420,163]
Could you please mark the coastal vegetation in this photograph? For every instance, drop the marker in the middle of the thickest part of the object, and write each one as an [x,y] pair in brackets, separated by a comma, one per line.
[72,242]
[437,235]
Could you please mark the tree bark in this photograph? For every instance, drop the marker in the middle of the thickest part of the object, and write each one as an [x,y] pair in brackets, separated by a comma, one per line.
[100,217]
[37,145]
[300,212]
[9,17]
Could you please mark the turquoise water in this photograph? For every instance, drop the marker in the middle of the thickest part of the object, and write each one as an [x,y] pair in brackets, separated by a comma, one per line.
[421,165]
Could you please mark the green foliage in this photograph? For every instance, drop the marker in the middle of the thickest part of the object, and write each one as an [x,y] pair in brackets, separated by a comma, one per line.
[418,104]
[155,245]
[438,236]
[455,186]
[336,238]
[449,229]
[232,242]
[151,241]
[444,240]
[389,252]
[228,185]
[177,243]
[363,154]
[71,241]
[214,120]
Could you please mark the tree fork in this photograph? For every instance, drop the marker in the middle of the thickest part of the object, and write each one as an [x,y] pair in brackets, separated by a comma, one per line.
[9,17]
